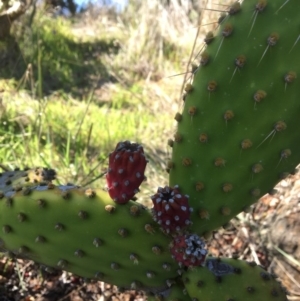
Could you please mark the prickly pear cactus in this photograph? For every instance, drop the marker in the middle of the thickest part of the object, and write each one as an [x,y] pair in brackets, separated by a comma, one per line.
[237,135]
[176,292]
[236,138]
[86,233]
[20,179]
[230,279]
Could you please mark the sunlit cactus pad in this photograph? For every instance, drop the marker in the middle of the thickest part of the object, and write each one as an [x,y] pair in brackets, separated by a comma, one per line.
[86,233]
[18,179]
[238,133]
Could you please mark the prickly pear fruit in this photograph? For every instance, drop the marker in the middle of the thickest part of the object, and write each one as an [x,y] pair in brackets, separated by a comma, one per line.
[230,279]
[125,174]
[20,179]
[188,250]
[86,233]
[237,135]
[171,209]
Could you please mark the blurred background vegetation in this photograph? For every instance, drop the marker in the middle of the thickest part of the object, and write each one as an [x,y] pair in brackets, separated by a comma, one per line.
[76,80]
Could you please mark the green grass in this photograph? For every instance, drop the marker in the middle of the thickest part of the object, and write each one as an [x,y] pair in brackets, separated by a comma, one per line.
[72,136]
[56,60]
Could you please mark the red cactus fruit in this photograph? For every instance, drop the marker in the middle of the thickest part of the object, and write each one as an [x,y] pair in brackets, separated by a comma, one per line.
[171,209]
[188,250]
[125,173]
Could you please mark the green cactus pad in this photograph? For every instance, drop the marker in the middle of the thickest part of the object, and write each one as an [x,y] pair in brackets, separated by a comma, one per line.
[176,292]
[86,233]
[229,279]
[238,133]
[20,179]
